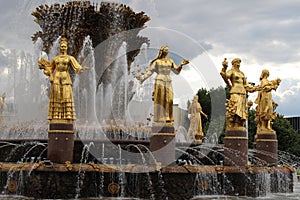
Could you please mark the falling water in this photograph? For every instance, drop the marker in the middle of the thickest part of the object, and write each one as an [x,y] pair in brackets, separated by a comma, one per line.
[120,90]
[112,98]
[81,174]
[29,87]
[141,104]
[84,86]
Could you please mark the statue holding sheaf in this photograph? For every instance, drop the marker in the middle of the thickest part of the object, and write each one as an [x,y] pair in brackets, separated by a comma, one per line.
[237,107]
[61,105]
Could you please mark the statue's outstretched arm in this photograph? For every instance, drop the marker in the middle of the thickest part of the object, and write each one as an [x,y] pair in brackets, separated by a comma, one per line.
[76,66]
[177,69]
[151,70]
[224,74]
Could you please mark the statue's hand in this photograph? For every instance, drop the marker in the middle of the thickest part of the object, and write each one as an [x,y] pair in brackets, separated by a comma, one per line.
[278,80]
[43,63]
[51,79]
[225,63]
[140,79]
[185,61]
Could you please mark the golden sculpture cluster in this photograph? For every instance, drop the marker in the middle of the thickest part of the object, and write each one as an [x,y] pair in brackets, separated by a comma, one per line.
[61,105]
[237,106]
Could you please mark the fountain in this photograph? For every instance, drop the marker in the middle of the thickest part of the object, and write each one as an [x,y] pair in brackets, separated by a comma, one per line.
[103,154]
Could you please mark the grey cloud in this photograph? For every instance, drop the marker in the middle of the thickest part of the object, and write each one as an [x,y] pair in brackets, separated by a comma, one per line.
[288,93]
[239,26]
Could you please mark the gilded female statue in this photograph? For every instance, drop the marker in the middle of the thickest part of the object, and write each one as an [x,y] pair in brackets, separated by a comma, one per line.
[195,130]
[237,109]
[163,91]
[61,105]
[265,105]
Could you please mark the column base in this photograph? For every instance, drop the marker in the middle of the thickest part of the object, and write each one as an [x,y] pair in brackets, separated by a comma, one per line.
[162,144]
[236,148]
[267,148]
[60,142]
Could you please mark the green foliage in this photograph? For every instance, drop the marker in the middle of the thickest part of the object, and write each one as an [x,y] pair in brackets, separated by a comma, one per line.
[213,104]
[288,138]
[204,100]
[251,128]
[298,172]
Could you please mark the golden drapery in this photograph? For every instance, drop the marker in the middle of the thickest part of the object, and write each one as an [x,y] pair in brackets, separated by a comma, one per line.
[61,105]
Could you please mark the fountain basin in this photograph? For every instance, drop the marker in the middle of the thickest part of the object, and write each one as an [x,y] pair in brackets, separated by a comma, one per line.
[63,181]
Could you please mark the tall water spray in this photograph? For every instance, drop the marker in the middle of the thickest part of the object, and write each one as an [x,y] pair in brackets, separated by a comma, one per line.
[84,86]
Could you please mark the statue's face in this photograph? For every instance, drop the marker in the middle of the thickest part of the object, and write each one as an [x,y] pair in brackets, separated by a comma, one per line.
[237,64]
[63,47]
[165,50]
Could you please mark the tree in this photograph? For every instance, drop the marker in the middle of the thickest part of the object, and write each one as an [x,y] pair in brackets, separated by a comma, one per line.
[288,138]
[213,104]
[251,127]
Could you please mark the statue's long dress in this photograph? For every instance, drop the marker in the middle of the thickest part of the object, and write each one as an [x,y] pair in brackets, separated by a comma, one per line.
[163,90]
[61,104]
[264,102]
[238,93]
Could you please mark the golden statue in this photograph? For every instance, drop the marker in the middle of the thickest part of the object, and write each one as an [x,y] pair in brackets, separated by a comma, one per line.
[2,102]
[163,91]
[61,105]
[195,131]
[237,107]
[265,105]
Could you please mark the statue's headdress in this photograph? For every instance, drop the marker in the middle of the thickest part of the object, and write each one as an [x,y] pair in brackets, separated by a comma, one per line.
[235,60]
[64,40]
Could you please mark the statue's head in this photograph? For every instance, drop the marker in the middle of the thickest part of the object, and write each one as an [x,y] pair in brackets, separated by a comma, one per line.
[264,74]
[236,62]
[63,44]
[164,50]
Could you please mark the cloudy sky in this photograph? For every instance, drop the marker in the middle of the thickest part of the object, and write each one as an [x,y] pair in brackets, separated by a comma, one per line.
[263,33]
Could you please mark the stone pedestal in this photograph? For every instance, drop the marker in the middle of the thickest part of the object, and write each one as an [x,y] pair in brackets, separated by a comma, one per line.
[236,148]
[162,144]
[267,147]
[60,142]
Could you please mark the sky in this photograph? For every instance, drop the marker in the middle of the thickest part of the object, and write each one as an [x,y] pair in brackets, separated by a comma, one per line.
[263,33]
